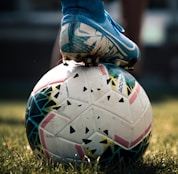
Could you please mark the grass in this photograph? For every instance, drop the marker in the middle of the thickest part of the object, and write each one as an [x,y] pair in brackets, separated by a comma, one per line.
[160,157]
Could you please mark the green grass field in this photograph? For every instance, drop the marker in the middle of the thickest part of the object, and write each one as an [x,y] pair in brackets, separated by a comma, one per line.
[160,157]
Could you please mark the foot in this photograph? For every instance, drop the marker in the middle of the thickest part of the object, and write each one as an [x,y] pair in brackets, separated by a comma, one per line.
[82,39]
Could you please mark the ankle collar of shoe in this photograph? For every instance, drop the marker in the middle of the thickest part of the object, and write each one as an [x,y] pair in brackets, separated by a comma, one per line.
[76,11]
[80,11]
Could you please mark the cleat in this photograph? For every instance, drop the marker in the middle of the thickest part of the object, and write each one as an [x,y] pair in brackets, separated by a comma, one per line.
[82,39]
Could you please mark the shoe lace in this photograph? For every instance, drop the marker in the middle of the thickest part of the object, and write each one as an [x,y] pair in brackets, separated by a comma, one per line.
[119,27]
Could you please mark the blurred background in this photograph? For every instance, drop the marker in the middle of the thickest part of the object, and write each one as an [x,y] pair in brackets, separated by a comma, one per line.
[28,29]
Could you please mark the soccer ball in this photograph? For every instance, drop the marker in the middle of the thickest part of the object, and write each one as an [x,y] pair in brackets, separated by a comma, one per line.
[76,113]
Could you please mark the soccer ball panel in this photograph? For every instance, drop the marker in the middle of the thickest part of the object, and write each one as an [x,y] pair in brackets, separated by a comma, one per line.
[80,128]
[54,123]
[114,102]
[56,75]
[111,125]
[96,145]
[78,85]
[71,108]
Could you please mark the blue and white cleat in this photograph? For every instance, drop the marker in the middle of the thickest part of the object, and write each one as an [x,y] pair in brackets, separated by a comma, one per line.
[84,40]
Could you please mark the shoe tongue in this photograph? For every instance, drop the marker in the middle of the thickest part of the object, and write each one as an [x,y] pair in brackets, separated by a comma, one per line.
[115,24]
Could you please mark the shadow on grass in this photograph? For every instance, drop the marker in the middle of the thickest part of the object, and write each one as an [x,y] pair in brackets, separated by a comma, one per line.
[150,167]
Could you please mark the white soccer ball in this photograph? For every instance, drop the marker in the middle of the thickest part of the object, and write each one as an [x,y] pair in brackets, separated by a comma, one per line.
[76,112]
